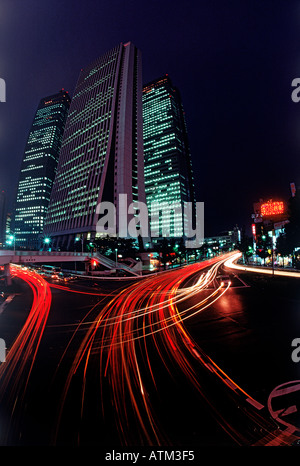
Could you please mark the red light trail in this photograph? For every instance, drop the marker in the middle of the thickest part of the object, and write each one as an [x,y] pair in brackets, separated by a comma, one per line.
[147,314]
[15,372]
[136,327]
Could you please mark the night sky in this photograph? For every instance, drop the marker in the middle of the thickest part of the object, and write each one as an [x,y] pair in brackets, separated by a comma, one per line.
[233,62]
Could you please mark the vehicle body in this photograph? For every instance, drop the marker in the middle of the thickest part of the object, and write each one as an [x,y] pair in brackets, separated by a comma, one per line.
[224,280]
[51,271]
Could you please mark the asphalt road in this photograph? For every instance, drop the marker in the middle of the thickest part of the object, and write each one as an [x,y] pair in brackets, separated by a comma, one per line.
[206,381]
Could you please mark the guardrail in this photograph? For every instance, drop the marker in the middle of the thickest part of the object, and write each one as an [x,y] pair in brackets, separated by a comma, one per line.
[103,260]
[8,252]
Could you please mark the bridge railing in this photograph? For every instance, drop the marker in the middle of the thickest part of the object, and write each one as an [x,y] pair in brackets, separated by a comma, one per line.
[9,252]
[105,261]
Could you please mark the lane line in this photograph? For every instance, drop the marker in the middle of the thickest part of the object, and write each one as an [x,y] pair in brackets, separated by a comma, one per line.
[255,403]
[6,302]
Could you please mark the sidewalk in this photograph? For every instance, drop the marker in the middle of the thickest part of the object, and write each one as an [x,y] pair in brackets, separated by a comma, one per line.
[231,264]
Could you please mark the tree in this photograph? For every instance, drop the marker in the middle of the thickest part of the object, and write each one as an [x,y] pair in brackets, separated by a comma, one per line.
[264,246]
[125,246]
[245,247]
[282,246]
[292,229]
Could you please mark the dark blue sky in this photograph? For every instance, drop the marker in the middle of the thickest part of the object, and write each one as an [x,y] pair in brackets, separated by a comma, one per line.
[233,62]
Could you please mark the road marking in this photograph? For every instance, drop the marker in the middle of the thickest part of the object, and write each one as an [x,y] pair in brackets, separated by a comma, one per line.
[255,403]
[286,411]
[282,438]
[231,384]
[7,301]
[245,284]
[281,391]
[285,438]
[285,391]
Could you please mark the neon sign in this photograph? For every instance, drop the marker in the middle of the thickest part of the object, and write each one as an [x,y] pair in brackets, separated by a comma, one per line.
[272,208]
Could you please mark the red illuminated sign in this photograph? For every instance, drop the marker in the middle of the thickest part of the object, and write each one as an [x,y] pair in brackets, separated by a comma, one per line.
[253,229]
[272,208]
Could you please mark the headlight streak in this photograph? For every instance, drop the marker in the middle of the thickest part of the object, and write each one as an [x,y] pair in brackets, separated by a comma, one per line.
[230,263]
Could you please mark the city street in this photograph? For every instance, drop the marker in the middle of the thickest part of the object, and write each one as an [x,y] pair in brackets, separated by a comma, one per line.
[149,227]
[190,357]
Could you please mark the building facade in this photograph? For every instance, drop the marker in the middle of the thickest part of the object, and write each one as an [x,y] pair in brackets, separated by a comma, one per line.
[269,220]
[38,169]
[168,166]
[102,149]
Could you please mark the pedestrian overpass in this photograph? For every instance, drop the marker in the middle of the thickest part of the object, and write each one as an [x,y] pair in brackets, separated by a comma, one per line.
[40,257]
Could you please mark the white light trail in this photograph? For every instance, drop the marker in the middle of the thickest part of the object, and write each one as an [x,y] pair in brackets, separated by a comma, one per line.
[245,268]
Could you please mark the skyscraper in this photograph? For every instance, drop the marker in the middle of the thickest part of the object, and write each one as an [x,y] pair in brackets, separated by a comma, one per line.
[102,148]
[38,169]
[168,166]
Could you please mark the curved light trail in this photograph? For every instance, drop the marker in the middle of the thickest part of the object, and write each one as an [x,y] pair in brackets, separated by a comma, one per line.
[15,372]
[144,316]
[139,325]
[230,263]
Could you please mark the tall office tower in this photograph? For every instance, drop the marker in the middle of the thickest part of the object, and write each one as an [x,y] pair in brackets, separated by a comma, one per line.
[168,167]
[102,148]
[38,169]
[2,217]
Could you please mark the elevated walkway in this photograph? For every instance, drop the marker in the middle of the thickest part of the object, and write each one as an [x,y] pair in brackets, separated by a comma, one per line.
[110,264]
[39,257]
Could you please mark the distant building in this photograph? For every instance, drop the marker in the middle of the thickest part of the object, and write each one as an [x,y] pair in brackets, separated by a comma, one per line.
[269,218]
[225,241]
[168,165]
[102,149]
[38,169]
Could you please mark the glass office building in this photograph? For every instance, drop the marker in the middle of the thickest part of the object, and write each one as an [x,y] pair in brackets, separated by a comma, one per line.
[102,148]
[168,167]
[38,169]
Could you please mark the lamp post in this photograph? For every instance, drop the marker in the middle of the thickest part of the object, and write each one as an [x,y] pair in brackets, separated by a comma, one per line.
[13,238]
[80,239]
[273,241]
[116,251]
[264,247]
[47,242]
[12,241]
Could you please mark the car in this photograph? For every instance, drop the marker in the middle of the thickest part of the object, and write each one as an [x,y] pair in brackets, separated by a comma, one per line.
[68,277]
[224,280]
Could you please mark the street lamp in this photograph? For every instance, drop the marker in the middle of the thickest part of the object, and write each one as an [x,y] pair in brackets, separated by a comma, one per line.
[80,239]
[91,247]
[116,251]
[11,240]
[273,244]
[47,242]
